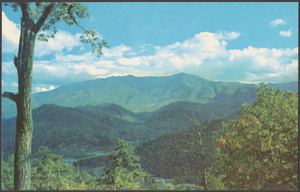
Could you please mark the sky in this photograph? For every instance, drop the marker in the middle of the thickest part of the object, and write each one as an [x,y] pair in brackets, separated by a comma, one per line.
[222,41]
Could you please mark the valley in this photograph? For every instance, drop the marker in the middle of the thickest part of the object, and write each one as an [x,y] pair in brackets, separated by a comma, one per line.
[82,121]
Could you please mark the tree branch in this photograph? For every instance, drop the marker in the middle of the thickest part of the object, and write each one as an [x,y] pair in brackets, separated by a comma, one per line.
[43,18]
[10,96]
[17,63]
[74,20]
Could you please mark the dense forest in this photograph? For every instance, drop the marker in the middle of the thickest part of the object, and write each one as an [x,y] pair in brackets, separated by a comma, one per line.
[256,150]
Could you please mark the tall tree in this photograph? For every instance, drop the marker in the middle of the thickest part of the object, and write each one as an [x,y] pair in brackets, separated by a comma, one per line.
[259,150]
[35,17]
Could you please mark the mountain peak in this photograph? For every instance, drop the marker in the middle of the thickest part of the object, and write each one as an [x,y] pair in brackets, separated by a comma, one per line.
[189,76]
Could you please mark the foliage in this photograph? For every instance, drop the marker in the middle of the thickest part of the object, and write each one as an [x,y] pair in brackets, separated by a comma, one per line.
[7,173]
[67,12]
[49,172]
[170,186]
[178,155]
[259,150]
[213,182]
[125,170]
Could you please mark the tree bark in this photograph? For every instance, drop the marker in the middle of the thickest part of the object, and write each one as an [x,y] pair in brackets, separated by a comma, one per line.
[24,125]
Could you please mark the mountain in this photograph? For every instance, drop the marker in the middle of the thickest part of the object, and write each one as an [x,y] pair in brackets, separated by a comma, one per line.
[140,94]
[291,86]
[66,131]
[84,135]
[78,132]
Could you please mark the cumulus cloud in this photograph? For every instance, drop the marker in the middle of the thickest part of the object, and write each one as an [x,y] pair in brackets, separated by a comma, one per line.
[206,54]
[277,22]
[43,88]
[10,35]
[63,41]
[117,51]
[286,33]
[70,58]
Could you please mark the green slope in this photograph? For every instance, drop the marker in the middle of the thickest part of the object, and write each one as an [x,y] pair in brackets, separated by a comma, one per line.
[178,155]
[74,132]
[66,131]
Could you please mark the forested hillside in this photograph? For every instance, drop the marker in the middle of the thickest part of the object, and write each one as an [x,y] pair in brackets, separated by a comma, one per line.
[141,94]
[180,154]
[77,132]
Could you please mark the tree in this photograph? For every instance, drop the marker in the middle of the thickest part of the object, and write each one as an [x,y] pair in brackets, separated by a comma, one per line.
[35,17]
[49,172]
[7,173]
[259,150]
[125,169]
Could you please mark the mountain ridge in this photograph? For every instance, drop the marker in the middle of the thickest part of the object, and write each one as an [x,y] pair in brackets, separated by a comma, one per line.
[91,127]
[143,94]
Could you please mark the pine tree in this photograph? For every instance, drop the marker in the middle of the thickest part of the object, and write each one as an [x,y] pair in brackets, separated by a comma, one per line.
[125,169]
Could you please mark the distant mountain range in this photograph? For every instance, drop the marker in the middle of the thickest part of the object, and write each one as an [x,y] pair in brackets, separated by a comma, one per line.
[144,94]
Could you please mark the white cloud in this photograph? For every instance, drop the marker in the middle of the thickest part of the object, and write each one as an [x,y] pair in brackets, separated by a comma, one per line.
[10,35]
[286,33]
[130,61]
[62,41]
[89,69]
[228,35]
[86,57]
[117,51]
[206,54]
[277,22]
[43,88]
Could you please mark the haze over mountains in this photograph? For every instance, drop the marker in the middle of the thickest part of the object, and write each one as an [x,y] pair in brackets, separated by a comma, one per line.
[143,94]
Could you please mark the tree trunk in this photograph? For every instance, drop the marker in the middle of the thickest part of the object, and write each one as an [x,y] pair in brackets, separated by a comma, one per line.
[24,64]
[24,124]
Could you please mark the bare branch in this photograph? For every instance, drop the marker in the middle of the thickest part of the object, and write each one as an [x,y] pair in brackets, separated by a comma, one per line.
[43,18]
[10,96]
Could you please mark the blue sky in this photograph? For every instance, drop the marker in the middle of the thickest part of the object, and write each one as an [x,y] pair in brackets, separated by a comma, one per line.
[244,42]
